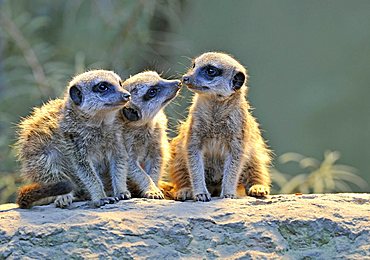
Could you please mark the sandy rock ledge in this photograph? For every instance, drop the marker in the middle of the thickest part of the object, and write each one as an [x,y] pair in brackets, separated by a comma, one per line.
[281,226]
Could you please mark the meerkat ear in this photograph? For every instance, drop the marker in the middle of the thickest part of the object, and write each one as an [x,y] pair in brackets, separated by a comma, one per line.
[121,82]
[75,95]
[131,114]
[238,80]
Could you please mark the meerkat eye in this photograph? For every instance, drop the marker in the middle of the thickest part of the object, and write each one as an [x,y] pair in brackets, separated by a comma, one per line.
[212,71]
[101,87]
[151,93]
[193,66]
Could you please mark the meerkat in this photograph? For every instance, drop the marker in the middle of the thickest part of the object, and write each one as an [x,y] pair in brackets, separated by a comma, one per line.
[219,150]
[144,127]
[69,147]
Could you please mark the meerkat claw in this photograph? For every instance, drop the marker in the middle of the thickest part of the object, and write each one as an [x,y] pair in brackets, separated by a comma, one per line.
[103,201]
[63,201]
[258,190]
[111,200]
[98,203]
[184,194]
[229,196]
[204,197]
[153,195]
[124,195]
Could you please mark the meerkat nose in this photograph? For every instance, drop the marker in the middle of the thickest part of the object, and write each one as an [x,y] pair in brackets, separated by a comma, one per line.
[186,79]
[125,96]
[178,83]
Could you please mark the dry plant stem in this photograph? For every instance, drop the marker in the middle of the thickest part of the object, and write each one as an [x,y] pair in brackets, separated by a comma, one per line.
[28,53]
[123,34]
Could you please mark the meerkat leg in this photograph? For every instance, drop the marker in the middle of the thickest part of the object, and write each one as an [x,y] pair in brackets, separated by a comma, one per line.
[184,193]
[147,187]
[153,168]
[64,201]
[258,190]
[231,174]
[61,201]
[258,178]
[148,166]
[183,187]
[179,175]
[118,172]
[196,168]
[93,184]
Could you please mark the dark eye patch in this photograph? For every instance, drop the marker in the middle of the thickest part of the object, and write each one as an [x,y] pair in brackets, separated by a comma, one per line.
[102,87]
[211,71]
[151,93]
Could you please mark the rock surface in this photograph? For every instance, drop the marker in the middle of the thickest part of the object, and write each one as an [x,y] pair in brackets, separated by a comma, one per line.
[281,226]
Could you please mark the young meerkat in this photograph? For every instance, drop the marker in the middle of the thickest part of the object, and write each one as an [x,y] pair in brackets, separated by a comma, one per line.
[70,146]
[219,149]
[144,127]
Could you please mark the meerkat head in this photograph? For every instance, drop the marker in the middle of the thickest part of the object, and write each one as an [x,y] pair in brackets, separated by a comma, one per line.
[214,73]
[97,91]
[149,94]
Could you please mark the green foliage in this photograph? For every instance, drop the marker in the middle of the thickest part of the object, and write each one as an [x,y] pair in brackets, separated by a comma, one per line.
[8,186]
[319,177]
[44,43]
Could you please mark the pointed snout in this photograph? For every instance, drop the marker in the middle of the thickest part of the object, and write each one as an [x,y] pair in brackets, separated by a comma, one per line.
[125,96]
[177,83]
[173,83]
[186,79]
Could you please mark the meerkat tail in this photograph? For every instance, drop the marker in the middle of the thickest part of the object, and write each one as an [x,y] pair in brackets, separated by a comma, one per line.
[31,193]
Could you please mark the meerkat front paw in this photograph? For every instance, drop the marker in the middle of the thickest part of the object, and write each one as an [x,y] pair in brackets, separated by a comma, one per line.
[153,194]
[63,201]
[204,197]
[104,201]
[184,194]
[259,190]
[124,195]
[229,196]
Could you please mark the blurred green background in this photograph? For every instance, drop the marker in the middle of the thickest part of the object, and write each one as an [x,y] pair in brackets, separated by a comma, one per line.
[309,65]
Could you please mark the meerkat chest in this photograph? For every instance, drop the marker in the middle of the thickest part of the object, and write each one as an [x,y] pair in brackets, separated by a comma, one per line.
[214,148]
[139,142]
[100,143]
[211,126]
[216,129]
